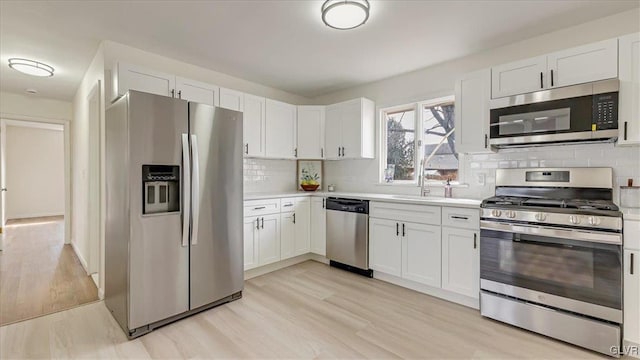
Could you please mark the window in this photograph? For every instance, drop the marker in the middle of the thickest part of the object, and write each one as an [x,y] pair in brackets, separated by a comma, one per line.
[416,134]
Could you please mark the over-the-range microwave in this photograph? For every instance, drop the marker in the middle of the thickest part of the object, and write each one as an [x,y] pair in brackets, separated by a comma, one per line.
[579,113]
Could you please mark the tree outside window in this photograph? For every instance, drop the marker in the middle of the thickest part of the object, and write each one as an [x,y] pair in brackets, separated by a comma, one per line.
[438,120]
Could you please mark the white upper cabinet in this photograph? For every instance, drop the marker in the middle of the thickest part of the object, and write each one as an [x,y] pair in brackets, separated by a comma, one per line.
[350,130]
[311,132]
[519,77]
[629,96]
[472,93]
[254,124]
[592,62]
[231,99]
[127,77]
[196,91]
[280,130]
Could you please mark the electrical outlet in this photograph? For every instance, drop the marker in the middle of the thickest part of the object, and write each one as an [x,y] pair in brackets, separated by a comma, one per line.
[481,178]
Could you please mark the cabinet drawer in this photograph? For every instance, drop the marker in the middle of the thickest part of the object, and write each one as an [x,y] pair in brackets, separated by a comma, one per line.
[422,214]
[261,207]
[631,233]
[461,218]
[288,204]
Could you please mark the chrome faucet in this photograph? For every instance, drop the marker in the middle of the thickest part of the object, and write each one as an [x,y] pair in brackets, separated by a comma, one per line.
[424,191]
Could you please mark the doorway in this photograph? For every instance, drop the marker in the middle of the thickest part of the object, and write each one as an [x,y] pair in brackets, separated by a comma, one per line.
[40,272]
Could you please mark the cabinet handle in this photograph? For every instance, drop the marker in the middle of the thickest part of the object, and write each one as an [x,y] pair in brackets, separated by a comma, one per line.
[459,217]
[631,265]
[541,83]
[179,94]
[625,130]
[397,229]
[259,208]
[475,240]
[262,225]
[258,223]
[321,152]
[486,141]
[173,92]
[343,151]
[403,232]
[294,218]
[246,148]
[551,77]
[287,205]
[295,152]
[323,203]
[338,151]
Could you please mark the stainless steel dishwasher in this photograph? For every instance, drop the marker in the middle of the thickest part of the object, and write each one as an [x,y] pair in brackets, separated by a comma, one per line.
[348,234]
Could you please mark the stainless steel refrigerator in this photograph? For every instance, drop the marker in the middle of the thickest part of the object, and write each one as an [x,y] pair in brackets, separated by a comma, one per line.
[173,242]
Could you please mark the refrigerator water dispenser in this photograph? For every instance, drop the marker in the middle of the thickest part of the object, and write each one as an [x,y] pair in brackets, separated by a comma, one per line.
[161,189]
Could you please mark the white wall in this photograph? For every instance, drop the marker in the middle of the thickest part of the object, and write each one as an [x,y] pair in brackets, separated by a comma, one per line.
[35,172]
[438,81]
[14,105]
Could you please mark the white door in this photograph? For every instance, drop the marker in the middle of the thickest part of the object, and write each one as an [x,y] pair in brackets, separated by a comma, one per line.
[421,253]
[333,132]
[254,125]
[592,62]
[269,239]
[385,246]
[302,220]
[629,105]
[132,77]
[250,242]
[310,132]
[231,99]
[472,94]
[519,77]
[287,235]
[352,129]
[460,269]
[280,130]
[318,229]
[197,91]
[631,265]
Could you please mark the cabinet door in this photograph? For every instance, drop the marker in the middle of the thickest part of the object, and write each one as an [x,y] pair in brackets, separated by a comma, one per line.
[250,243]
[519,77]
[631,265]
[385,246]
[629,96]
[196,91]
[132,77]
[254,123]
[231,99]
[280,130]
[592,62]
[302,220]
[352,129]
[421,253]
[310,132]
[269,239]
[318,226]
[472,94]
[460,269]
[333,132]
[287,235]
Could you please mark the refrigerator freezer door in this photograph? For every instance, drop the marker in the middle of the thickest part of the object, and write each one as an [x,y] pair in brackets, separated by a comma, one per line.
[216,262]
[158,263]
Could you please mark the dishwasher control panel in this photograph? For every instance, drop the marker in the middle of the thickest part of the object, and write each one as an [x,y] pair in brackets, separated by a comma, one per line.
[348,205]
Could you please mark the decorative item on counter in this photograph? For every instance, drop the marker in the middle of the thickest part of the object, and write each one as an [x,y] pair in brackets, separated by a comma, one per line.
[331,188]
[630,195]
[309,177]
[447,189]
[389,173]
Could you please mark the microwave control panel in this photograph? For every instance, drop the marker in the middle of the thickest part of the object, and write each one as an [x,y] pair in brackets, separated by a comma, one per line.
[605,111]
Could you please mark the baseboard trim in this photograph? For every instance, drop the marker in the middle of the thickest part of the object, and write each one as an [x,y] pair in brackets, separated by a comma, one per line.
[35,215]
[251,273]
[628,345]
[429,290]
[83,262]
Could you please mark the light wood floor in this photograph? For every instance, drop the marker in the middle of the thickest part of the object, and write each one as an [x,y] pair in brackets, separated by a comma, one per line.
[39,274]
[305,311]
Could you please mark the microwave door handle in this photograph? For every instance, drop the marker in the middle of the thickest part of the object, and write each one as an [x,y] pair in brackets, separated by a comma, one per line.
[186,190]
[196,190]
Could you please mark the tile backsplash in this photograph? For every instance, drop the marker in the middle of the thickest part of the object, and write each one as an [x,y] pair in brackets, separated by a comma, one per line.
[261,175]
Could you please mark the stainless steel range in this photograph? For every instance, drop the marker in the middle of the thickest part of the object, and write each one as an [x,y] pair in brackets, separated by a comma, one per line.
[551,255]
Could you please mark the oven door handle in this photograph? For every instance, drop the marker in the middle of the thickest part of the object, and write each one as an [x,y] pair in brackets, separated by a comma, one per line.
[570,234]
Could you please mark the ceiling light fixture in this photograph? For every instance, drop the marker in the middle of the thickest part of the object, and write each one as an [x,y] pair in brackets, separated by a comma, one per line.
[345,14]
[31,67]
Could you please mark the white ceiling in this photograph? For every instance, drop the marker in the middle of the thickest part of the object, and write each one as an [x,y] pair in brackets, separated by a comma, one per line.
[282,44]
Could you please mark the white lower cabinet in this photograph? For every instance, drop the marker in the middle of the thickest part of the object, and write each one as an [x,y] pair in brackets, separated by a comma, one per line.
[269,239]
[301,220]
[385,248]
[318,226]
[287,235]
[460,261]
[251,242]
[631,265]
[421,253]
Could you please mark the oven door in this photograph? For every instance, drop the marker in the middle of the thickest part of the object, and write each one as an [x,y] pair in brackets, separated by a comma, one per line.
[536,264]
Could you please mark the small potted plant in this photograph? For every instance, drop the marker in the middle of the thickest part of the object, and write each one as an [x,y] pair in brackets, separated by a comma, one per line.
[309,180]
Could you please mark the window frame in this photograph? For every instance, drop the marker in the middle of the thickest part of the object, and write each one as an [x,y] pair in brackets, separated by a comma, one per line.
[418,107]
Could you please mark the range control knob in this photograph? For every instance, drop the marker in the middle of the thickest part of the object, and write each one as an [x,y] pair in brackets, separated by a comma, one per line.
[574,219]
[511,214]
[496,213]
[594,220]
[541,217]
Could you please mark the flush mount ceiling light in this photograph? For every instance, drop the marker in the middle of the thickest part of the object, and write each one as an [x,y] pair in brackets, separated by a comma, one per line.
[345,14]
[31,67]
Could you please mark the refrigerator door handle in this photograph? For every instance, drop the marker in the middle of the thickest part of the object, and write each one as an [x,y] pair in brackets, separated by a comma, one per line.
[195,193]
[186,190]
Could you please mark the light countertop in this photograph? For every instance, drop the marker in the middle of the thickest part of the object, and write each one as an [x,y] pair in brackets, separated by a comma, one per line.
[405,199]
[631,214]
